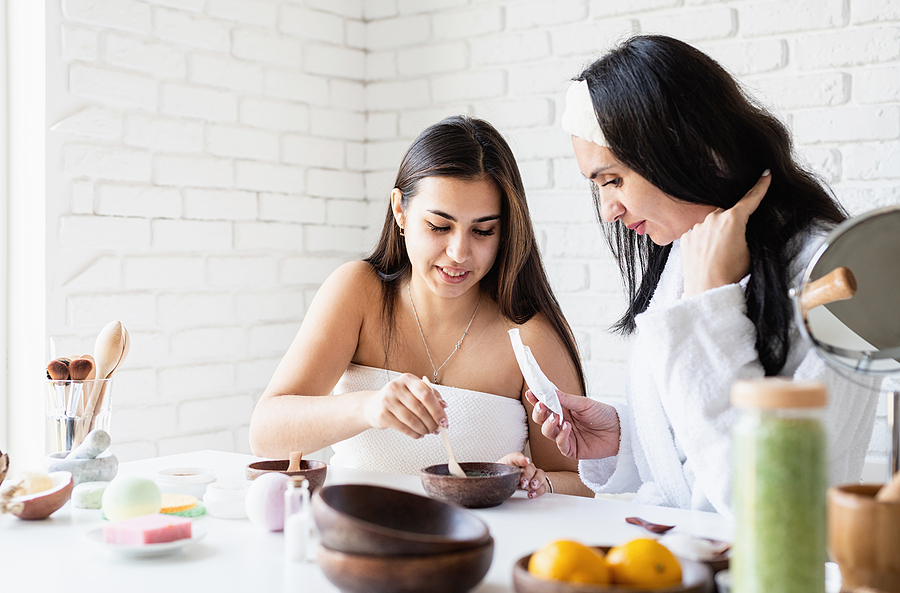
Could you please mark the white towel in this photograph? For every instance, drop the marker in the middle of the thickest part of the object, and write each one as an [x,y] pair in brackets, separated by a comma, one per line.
[676,426]
[483,427]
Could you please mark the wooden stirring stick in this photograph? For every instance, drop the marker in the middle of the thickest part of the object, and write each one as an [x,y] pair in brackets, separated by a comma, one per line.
[452,465]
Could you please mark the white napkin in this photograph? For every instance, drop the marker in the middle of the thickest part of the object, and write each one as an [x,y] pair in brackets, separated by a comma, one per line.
[542,387]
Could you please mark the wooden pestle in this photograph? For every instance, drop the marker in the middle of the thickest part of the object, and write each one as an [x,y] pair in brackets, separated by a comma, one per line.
[296,458]
[837,285]
[890,492]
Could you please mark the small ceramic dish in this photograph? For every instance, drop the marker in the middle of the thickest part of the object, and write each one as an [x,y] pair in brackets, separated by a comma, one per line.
[364,519]
[450,572]
[185,480]
[695,578]
[95,536]
[312,470]
[485,484]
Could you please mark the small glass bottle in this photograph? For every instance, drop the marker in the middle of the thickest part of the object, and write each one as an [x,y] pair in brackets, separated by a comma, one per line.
[297,520]
[780,480]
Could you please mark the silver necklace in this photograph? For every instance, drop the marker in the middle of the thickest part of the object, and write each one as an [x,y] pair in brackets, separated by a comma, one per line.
[421,333]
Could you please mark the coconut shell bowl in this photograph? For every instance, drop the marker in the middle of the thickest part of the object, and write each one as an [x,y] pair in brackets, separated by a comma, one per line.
[485,484]
[314,471]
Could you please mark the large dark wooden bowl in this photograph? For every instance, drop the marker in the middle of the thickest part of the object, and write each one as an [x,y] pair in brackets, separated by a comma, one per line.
[696,577]
[450,572]
[314,471]
[364,519]
[485,484]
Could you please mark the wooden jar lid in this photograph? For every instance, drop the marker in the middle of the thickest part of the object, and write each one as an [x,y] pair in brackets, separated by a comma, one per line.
[776,392]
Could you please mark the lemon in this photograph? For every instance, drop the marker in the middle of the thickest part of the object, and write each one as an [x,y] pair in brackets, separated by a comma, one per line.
[564,560]
[643,563]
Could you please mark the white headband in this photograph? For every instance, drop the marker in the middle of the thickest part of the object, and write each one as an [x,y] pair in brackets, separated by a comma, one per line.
[579,119]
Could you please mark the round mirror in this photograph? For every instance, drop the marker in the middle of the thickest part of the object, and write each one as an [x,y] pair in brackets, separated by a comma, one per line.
[847,301]
[847,305]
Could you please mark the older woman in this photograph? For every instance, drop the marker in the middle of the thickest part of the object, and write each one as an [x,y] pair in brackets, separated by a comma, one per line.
[711,220]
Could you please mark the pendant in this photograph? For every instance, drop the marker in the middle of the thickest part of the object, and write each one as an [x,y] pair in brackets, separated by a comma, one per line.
[434,380]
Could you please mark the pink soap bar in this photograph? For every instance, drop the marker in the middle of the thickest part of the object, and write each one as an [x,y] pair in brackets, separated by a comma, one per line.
[147,529]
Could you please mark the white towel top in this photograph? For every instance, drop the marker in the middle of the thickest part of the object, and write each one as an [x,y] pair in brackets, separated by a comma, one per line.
[675,447]
[483,427]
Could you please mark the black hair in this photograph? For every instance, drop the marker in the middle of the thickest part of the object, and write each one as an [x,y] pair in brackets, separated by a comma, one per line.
[673,115]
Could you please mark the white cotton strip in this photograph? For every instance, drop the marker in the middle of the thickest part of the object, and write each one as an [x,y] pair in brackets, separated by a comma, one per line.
[579,118]
[542,387]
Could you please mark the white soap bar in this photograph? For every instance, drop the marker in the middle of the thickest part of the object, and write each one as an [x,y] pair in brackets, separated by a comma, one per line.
[88,495]
[542,387]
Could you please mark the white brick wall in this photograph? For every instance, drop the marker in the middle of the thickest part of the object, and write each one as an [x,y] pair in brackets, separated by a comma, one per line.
[217,159]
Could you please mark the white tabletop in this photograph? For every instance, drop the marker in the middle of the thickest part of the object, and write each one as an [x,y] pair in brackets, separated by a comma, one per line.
[53,555]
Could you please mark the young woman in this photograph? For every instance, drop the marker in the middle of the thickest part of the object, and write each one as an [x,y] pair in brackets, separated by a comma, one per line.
[415,336]
[711,220]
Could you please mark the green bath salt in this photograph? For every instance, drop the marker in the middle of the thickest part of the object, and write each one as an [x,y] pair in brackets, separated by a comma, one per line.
[780,479]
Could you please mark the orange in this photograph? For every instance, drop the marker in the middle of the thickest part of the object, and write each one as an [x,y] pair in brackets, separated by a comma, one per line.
[643,563]
[564,560]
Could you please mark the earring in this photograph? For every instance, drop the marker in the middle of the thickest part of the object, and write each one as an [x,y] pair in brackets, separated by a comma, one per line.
[401,232]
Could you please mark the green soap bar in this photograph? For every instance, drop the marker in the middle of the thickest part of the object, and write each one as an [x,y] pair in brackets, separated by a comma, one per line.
[88,495]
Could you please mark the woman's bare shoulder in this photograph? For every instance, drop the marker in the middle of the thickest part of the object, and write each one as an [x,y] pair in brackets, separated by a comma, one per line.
[537,329]
[354,284]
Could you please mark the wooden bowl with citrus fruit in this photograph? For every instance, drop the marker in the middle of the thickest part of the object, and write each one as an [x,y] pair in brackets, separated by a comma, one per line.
[639,566]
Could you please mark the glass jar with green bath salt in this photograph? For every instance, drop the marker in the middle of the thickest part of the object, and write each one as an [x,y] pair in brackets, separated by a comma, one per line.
[780,479]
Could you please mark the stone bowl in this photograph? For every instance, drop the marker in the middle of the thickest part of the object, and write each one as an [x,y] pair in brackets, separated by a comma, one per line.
[102,468]
[864,537]
[696,577]
[485,484]
[448,572]
[314,471]
[377,521]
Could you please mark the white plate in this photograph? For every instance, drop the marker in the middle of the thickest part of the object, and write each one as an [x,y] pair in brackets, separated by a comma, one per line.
[95,536]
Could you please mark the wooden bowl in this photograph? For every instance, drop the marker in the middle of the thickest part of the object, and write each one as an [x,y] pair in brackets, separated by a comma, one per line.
[450,572]
[864,537]
[363,519]
[485,484]
[314,471]
[695,578]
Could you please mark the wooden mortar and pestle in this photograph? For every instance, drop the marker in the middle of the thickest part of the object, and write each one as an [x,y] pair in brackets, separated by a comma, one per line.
[864,534]
[110,350]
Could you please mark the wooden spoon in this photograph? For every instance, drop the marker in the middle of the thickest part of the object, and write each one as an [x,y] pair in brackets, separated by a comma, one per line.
[108,351]
[452,465]
[126,346]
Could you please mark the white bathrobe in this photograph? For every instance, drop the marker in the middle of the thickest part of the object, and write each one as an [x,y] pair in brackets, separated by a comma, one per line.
[675,445]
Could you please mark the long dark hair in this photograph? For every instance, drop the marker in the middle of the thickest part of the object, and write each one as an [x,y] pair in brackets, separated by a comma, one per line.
[677,118]
[469,148]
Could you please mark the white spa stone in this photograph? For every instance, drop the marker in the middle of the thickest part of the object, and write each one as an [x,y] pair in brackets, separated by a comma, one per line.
[88,495]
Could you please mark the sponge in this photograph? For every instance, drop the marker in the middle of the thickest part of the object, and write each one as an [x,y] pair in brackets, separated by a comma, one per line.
[176,503]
